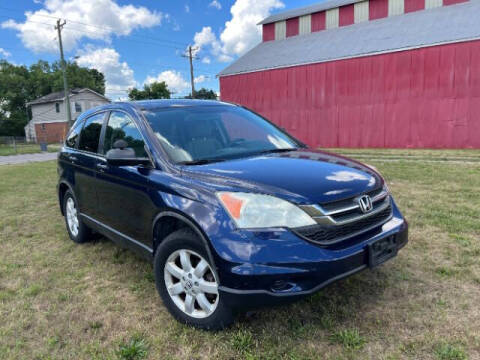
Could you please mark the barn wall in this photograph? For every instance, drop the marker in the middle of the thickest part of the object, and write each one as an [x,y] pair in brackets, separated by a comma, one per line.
[347,15]
[319,21]
[423,98]
[269,32]
[292,27]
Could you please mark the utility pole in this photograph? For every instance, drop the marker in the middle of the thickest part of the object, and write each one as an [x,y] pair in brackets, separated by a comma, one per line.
[192,78]
[59,27]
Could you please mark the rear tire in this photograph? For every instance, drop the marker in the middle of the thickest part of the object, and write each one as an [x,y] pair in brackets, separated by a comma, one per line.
[76,229]
[187,283]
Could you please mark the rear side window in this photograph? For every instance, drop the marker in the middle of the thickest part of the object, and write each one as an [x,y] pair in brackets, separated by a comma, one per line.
[72,137]
[90,136]
[121,126]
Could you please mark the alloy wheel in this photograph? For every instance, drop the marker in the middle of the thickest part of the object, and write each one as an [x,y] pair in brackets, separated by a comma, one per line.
[191,283]
[72,218]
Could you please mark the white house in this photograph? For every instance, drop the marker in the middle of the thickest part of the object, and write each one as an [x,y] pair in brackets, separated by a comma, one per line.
[49,119]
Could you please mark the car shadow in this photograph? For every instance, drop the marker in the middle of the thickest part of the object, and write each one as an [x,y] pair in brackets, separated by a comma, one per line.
[333,306]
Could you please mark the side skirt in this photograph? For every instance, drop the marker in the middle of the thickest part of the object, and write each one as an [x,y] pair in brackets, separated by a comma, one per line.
[118,237]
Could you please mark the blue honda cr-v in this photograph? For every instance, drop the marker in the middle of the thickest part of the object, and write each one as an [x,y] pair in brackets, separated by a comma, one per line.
[233,211]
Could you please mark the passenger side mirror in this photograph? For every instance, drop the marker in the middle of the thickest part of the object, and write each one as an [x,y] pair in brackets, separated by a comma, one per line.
[122,155]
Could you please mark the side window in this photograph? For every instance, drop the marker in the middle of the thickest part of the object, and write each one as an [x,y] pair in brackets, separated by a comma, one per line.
[78,107]
[121,126]
[73,135]
[90,134]
[57,107]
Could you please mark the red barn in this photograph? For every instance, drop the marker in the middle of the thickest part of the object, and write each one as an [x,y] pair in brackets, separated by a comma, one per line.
[374,73]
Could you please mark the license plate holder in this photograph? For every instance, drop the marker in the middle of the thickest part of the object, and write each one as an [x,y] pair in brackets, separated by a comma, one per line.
[382,250]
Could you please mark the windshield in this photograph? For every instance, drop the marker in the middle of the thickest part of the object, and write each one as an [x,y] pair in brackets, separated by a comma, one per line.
[214,133]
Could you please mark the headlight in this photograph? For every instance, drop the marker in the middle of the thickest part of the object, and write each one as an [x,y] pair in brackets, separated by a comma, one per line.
[251,211]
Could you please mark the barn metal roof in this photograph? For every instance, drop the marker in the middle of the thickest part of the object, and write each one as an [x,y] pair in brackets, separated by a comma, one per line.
[441,25]
[325,5]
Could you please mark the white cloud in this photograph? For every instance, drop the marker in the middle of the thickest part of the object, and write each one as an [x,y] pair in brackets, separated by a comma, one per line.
[241,32]
[216,4]
[207,38]
[199,79]
[118,75]
[174,79]
[206,60]
[187,8]
[113,18]
[5,53]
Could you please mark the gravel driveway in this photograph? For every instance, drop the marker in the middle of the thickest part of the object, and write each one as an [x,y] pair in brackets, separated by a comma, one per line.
[25,158]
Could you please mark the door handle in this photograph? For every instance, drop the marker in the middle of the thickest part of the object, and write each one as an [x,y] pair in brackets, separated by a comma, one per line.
[102,167]
[73,158]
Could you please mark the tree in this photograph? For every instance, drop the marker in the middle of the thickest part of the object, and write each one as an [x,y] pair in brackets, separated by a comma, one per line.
[20,84]
[203,94]
[155,90]
[78,77]
[14,93]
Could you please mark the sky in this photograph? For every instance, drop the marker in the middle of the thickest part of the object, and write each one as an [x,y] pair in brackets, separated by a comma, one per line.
[136,42]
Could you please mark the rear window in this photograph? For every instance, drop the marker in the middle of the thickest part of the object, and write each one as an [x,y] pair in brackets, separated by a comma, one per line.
[73,135]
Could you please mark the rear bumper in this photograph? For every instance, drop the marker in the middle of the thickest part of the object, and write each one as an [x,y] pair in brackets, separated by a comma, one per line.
[253,284]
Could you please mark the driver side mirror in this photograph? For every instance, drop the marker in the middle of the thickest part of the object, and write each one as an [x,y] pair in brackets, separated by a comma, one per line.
[122,155]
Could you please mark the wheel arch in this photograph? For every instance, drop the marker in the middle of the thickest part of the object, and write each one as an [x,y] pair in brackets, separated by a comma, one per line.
[63,187]
[174,220]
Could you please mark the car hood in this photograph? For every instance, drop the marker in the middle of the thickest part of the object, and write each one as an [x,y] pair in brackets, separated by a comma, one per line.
[300,176]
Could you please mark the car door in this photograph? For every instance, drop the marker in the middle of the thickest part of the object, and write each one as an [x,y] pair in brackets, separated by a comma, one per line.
[85,160]
[68,154]
[124,202]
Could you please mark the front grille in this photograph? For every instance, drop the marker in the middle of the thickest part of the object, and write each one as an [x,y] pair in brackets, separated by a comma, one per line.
[328,235]
[355,213]
[335,205]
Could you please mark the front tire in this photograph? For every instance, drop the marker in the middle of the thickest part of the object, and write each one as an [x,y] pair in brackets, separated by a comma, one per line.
[187,283]
[76,229]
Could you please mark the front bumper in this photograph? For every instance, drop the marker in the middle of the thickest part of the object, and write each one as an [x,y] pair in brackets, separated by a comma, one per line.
[279,266]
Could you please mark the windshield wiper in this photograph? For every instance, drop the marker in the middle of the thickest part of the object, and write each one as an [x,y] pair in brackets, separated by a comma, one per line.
[271,151]
[200,162]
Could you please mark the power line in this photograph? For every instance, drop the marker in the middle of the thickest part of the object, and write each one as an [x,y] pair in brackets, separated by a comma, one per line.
[106,28]
[94,33]
[69,28]
[158,67]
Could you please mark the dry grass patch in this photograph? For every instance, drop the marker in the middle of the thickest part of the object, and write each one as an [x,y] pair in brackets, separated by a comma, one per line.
[61,300]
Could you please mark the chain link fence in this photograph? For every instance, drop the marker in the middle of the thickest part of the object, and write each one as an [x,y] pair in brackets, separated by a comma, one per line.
[14,145]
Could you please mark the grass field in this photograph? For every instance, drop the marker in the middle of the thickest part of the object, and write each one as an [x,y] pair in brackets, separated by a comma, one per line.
[25,149]
[59,300]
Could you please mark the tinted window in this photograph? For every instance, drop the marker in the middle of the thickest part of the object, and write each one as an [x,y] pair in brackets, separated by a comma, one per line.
[90,135]
[121,126]
[73,135]
[195,133]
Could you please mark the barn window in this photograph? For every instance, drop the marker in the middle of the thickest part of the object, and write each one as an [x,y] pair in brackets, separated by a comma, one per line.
[43,127]
[78,107]
[57,107]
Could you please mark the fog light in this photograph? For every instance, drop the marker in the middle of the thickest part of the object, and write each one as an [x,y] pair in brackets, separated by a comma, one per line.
[281,285]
